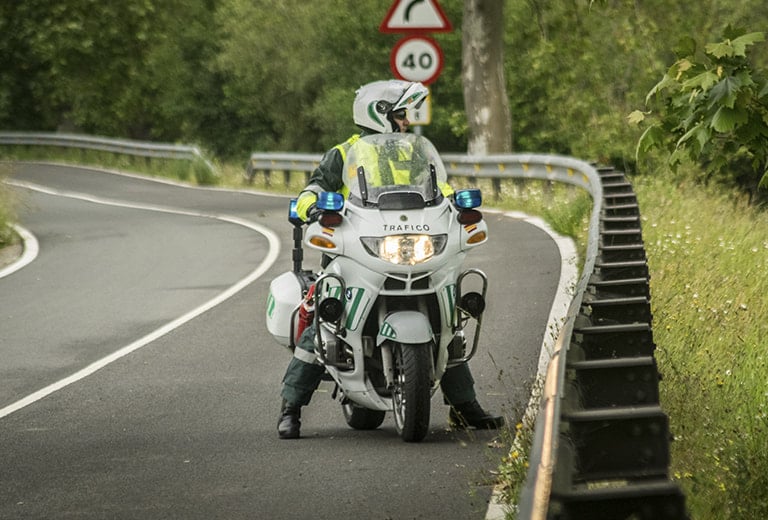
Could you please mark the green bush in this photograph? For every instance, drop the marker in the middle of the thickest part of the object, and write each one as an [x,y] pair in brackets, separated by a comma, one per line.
[712,108]
[7,211]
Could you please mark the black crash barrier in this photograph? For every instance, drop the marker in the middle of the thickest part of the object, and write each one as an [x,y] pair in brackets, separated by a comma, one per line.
[606,455]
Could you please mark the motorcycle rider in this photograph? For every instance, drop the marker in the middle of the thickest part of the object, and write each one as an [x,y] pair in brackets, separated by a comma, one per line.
[379,107]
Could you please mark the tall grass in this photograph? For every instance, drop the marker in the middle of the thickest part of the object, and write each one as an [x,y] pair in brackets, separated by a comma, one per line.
[708,258]
[7,210]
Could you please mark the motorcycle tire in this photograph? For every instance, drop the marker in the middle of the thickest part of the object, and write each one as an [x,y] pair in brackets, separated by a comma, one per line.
[413,390]
[361,418]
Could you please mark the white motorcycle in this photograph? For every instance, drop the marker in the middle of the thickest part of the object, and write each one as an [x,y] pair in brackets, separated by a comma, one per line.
[391,309]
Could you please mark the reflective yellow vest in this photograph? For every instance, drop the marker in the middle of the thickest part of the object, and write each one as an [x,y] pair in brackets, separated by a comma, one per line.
[399,170]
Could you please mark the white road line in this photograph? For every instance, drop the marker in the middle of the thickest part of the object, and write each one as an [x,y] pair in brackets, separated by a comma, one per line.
[31,249]
[569,277]
[271,258]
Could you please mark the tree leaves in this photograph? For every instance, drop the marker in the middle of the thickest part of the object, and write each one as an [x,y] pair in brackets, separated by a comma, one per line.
[703,81]
[725,91]
[726,119]
[710,110]
[736,47]
[636,117]
[764,90]
[652,137]
[240,75]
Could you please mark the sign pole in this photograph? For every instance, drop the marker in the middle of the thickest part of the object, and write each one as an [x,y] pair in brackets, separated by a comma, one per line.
[416,57]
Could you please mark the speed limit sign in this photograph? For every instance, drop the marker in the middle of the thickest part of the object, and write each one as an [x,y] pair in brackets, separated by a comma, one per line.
[417,58]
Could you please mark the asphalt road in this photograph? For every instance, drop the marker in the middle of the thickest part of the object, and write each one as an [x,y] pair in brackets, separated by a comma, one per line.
[181,421]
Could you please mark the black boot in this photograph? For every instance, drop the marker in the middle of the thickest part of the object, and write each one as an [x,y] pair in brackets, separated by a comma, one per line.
[288,425]
[472,414]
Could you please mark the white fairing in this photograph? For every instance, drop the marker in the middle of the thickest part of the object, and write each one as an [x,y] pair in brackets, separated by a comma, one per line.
[284,296]
[405,327]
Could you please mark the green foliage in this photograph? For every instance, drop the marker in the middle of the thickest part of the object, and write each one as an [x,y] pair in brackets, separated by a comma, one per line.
[203,173]
[712,108]
[236,76]
[572,218]
[708,301]
[292,68]
[7,210]
[135,69]
[573,69]
[296,90]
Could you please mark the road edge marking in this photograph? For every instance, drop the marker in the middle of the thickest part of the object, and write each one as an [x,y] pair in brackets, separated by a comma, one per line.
[569,276]
[30,250]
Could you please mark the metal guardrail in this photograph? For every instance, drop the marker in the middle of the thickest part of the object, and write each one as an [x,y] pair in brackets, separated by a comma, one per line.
[522,166]
[609,455]
[103,144]
[601,441]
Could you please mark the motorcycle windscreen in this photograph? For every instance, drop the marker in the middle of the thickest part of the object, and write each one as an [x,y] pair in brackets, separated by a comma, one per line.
[394,171]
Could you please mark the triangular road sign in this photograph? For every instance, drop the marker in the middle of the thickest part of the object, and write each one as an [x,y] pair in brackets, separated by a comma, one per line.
[415,16]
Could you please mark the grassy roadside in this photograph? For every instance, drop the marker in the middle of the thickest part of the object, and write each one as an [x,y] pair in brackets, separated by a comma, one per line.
[195,172]
[708,254]
[7,213]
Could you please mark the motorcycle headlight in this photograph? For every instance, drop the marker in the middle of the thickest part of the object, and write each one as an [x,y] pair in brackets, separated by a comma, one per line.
[405,249]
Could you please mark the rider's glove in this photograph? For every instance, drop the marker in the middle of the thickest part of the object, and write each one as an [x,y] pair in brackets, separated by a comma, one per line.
[313,214]
[305,203]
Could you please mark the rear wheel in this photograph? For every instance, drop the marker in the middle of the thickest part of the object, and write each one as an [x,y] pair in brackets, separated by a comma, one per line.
[413,390]
[361,418]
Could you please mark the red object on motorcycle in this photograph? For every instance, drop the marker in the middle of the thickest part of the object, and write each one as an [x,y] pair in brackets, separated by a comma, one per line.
[330,219]
[469,216]
[306,312]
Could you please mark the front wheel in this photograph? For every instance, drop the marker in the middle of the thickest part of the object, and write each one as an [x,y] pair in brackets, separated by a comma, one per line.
[413,390]
[361,418]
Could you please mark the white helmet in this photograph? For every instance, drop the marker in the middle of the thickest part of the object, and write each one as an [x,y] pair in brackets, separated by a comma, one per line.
[376,102]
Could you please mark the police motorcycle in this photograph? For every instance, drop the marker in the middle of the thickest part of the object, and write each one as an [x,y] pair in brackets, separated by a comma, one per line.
[393,307]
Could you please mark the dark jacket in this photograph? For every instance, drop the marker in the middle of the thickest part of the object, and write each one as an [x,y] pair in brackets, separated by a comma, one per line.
[327,175]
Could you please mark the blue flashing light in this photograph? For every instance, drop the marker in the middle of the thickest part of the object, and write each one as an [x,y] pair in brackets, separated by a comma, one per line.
[330,201]
[293,216]
[468,199]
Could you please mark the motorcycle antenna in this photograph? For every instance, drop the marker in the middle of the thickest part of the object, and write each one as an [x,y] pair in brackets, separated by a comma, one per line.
[433,178]
[305,278]
[298,252]
[298,234]
[363,184]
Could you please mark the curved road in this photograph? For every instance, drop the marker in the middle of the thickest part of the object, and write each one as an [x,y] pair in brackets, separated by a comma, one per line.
[180,421]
